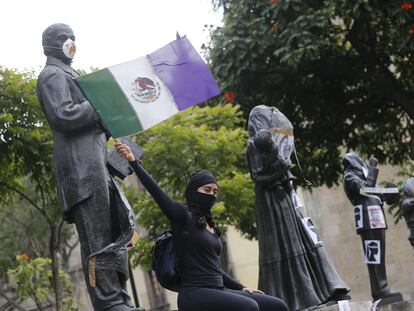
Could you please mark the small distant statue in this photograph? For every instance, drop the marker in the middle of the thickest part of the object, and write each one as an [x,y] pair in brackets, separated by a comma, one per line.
[293,263]
[408,207]
[360,187]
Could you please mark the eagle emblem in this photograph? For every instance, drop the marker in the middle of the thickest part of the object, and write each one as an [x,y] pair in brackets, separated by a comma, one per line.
[145,90]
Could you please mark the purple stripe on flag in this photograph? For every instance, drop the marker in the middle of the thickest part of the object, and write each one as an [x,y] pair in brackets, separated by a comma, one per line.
[184,72]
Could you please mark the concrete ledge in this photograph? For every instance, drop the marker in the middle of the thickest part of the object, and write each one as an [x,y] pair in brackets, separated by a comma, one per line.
[353,306]
[398,306]
[407,305]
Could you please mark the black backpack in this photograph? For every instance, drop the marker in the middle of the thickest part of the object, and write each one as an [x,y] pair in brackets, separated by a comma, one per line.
[165,261]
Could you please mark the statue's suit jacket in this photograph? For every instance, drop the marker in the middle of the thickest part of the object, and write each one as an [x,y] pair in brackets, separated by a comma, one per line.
[80,142]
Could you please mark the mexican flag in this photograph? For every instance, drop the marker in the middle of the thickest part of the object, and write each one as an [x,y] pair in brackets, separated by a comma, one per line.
[136,95]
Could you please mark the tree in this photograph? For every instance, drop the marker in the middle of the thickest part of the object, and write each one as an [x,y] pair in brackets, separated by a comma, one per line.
[198,138]
[23,230]
[26,172]
[33,281]
[340,70]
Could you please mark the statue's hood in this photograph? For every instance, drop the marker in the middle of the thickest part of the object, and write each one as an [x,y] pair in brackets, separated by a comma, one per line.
[408,187]
[265,117]
[353,163]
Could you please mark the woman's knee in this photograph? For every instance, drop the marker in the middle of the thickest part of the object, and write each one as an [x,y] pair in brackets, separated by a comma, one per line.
[249,305]
[280,305]
[270,303]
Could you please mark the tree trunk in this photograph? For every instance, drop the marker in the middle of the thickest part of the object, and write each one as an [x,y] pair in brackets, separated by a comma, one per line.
[54,249]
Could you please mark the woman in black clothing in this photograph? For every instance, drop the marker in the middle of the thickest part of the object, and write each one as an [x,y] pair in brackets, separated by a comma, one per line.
[203,285]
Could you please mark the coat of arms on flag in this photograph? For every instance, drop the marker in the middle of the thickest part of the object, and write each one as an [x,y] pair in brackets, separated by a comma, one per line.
[133,96]
[146,90]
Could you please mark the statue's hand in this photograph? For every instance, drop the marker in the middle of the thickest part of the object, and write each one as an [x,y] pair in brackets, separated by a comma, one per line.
[391,198]
[372,161]
[124,151]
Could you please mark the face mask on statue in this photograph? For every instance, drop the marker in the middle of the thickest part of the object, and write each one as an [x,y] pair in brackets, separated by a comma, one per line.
[58,41]
[69,48]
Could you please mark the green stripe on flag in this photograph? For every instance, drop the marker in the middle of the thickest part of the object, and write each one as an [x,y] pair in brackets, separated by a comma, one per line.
[110,102]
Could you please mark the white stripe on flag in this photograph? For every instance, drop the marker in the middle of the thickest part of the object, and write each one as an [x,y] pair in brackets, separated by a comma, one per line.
[150,112]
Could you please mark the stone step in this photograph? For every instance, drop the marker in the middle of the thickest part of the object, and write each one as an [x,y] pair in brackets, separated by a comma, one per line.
[406,305]
[398,306]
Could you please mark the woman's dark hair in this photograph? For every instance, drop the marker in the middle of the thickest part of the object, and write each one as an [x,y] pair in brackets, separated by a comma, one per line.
[202,221]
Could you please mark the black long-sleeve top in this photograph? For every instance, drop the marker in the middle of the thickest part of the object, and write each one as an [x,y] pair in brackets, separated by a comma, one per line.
[199,264]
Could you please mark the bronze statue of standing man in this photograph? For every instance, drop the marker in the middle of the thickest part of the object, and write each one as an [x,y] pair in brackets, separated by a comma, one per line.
[360,179]
[88,195]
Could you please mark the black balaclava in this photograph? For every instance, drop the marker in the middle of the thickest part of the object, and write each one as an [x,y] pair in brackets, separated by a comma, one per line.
[200,204]
[53,39]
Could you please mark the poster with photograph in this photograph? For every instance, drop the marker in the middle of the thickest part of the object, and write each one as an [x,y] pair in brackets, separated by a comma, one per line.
[297,202]
[359,217]
[311,230]
[372,252]
[376,217]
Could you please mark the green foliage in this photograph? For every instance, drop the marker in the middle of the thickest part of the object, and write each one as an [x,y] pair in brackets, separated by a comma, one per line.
[23,221]
[32,279]
[209,138]
[25,138]
[340,70]
[28,203]
[237,191]
[141,254]
[406,171]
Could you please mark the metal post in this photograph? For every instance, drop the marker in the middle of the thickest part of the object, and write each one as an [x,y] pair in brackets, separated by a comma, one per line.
[132,280]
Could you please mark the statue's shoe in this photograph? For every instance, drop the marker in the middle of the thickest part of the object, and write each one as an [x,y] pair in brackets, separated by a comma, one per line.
[340,294]
[386,296]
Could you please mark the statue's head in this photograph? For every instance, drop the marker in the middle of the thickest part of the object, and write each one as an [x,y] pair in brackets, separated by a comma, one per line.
[408,187]
[265,117]
[263,140]
[271,119]
[58,40]
[354,164]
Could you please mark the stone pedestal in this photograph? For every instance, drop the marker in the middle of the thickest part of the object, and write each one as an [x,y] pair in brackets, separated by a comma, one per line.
[398,306]
[406,305]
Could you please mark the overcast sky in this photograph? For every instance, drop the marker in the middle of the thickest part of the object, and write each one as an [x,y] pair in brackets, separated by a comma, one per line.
[108,32]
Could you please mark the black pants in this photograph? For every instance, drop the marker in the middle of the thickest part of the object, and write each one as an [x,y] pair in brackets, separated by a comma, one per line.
[210,299]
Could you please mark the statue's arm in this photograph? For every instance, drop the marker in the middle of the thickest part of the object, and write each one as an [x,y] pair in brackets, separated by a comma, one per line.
[254,161]
[63,113]
[280,168]
[352,184]
[407,205]
[255,165]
